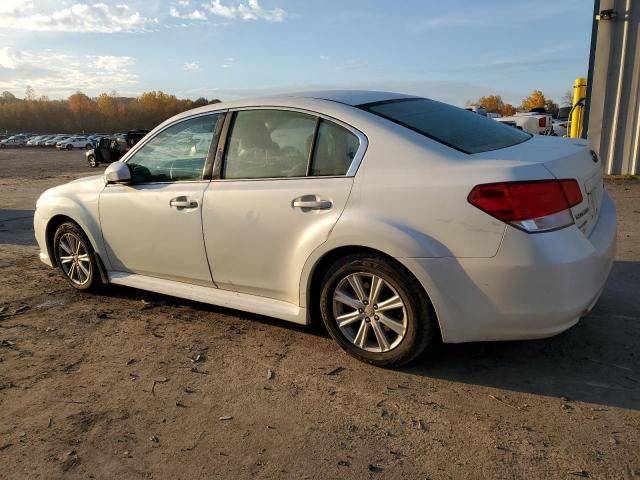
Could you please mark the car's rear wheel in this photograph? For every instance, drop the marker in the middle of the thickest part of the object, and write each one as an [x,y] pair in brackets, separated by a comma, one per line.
[93,163]
[75,257]
[376,311]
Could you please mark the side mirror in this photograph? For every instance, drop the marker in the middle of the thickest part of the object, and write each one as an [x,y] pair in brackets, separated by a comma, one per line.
[117,172]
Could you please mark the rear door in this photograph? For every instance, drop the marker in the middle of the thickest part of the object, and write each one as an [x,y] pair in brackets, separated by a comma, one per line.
[279,187]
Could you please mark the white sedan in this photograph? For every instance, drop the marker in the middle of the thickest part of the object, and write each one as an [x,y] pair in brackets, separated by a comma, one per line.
[75,142]
[398,220]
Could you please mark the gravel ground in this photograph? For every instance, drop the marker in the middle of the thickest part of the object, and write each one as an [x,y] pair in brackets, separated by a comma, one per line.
[128,384]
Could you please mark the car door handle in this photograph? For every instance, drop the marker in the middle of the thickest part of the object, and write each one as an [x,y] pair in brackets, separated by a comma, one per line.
[182,202]
[313,204]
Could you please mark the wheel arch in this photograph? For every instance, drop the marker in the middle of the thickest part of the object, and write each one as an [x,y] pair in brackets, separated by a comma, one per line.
[50,232]
[311,290]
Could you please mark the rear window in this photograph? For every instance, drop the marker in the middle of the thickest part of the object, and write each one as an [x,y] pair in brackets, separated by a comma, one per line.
[455,127]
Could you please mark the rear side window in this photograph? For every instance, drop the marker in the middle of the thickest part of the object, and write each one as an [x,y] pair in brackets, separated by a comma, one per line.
[269,144]
[334,150]
[455,127]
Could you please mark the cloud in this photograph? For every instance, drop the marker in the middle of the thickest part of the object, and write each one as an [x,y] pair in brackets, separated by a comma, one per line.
[58,74]
[193,15]
[192,66]
[246,11]
[79,17]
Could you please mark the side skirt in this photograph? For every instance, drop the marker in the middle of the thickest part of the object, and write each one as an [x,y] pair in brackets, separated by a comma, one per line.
[214,296]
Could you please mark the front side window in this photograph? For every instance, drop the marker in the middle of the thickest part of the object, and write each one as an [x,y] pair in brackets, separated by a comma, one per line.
[178,153]
[455,127]
[269,144]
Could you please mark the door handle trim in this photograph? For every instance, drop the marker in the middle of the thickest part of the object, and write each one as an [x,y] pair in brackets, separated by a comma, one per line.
[180,203]
[313,204]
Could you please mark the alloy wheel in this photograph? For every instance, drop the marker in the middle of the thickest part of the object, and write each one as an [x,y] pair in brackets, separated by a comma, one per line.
[74,258]
[369,312]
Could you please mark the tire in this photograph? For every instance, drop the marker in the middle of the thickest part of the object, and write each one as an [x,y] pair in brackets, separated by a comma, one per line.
[88,146]
[407,329]
[93,163]
[78,265]
[69,147]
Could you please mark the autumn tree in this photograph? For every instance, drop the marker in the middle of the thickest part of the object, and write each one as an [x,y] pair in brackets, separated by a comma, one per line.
[535,100]
[491,103]
[106,113]
[200,102]
[508,110]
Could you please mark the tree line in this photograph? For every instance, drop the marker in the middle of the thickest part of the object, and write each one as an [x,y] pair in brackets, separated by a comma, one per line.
[107,113]
[537,99]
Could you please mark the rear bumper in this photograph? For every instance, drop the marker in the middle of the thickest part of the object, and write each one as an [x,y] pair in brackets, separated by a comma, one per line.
[536,286]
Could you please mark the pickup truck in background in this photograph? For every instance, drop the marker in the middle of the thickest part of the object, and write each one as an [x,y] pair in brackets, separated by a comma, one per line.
[536,122]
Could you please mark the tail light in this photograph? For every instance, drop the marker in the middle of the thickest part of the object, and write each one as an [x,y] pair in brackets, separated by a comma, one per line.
[532,206]
[542,122]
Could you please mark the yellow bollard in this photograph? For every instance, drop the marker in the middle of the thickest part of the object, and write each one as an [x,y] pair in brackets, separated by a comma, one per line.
[579,93]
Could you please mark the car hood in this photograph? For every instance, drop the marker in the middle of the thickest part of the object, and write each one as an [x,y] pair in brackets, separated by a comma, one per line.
[81,186]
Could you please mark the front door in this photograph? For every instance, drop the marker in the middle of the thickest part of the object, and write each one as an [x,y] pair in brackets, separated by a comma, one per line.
[153,226]
[283,185]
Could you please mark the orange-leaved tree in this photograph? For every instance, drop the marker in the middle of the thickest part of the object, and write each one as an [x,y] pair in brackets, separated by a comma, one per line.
[508,110]
[491,103]
[535,100]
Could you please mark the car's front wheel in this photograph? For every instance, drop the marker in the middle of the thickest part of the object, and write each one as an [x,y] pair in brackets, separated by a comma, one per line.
[75,257]
[69,147]
[376,311]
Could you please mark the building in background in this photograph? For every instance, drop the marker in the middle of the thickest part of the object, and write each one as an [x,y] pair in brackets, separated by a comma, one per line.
[612,117]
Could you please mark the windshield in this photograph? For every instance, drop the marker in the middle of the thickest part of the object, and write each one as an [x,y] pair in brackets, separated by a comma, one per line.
[455,127]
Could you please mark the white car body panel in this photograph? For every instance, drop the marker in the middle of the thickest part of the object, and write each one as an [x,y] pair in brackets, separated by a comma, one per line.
[256,217]
[216,296]
[408,199]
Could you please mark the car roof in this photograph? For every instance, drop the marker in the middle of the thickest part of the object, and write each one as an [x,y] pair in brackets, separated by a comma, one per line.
[346,97]
[351,97]
[332,100]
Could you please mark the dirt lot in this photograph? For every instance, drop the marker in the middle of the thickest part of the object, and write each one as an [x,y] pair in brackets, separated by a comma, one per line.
[103,386]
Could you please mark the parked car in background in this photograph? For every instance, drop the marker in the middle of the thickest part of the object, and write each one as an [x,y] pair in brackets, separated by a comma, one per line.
[562,123]
[75,142]
[34,140]
[41,142]
[14,141]
[290,207]
[55,140]
[560,127]
[112,149]
[536,122]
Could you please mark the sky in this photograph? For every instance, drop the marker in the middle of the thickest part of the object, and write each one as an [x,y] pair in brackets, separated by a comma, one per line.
[453,50]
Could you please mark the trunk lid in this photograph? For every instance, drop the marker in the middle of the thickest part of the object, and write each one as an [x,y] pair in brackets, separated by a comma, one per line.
[564,158]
